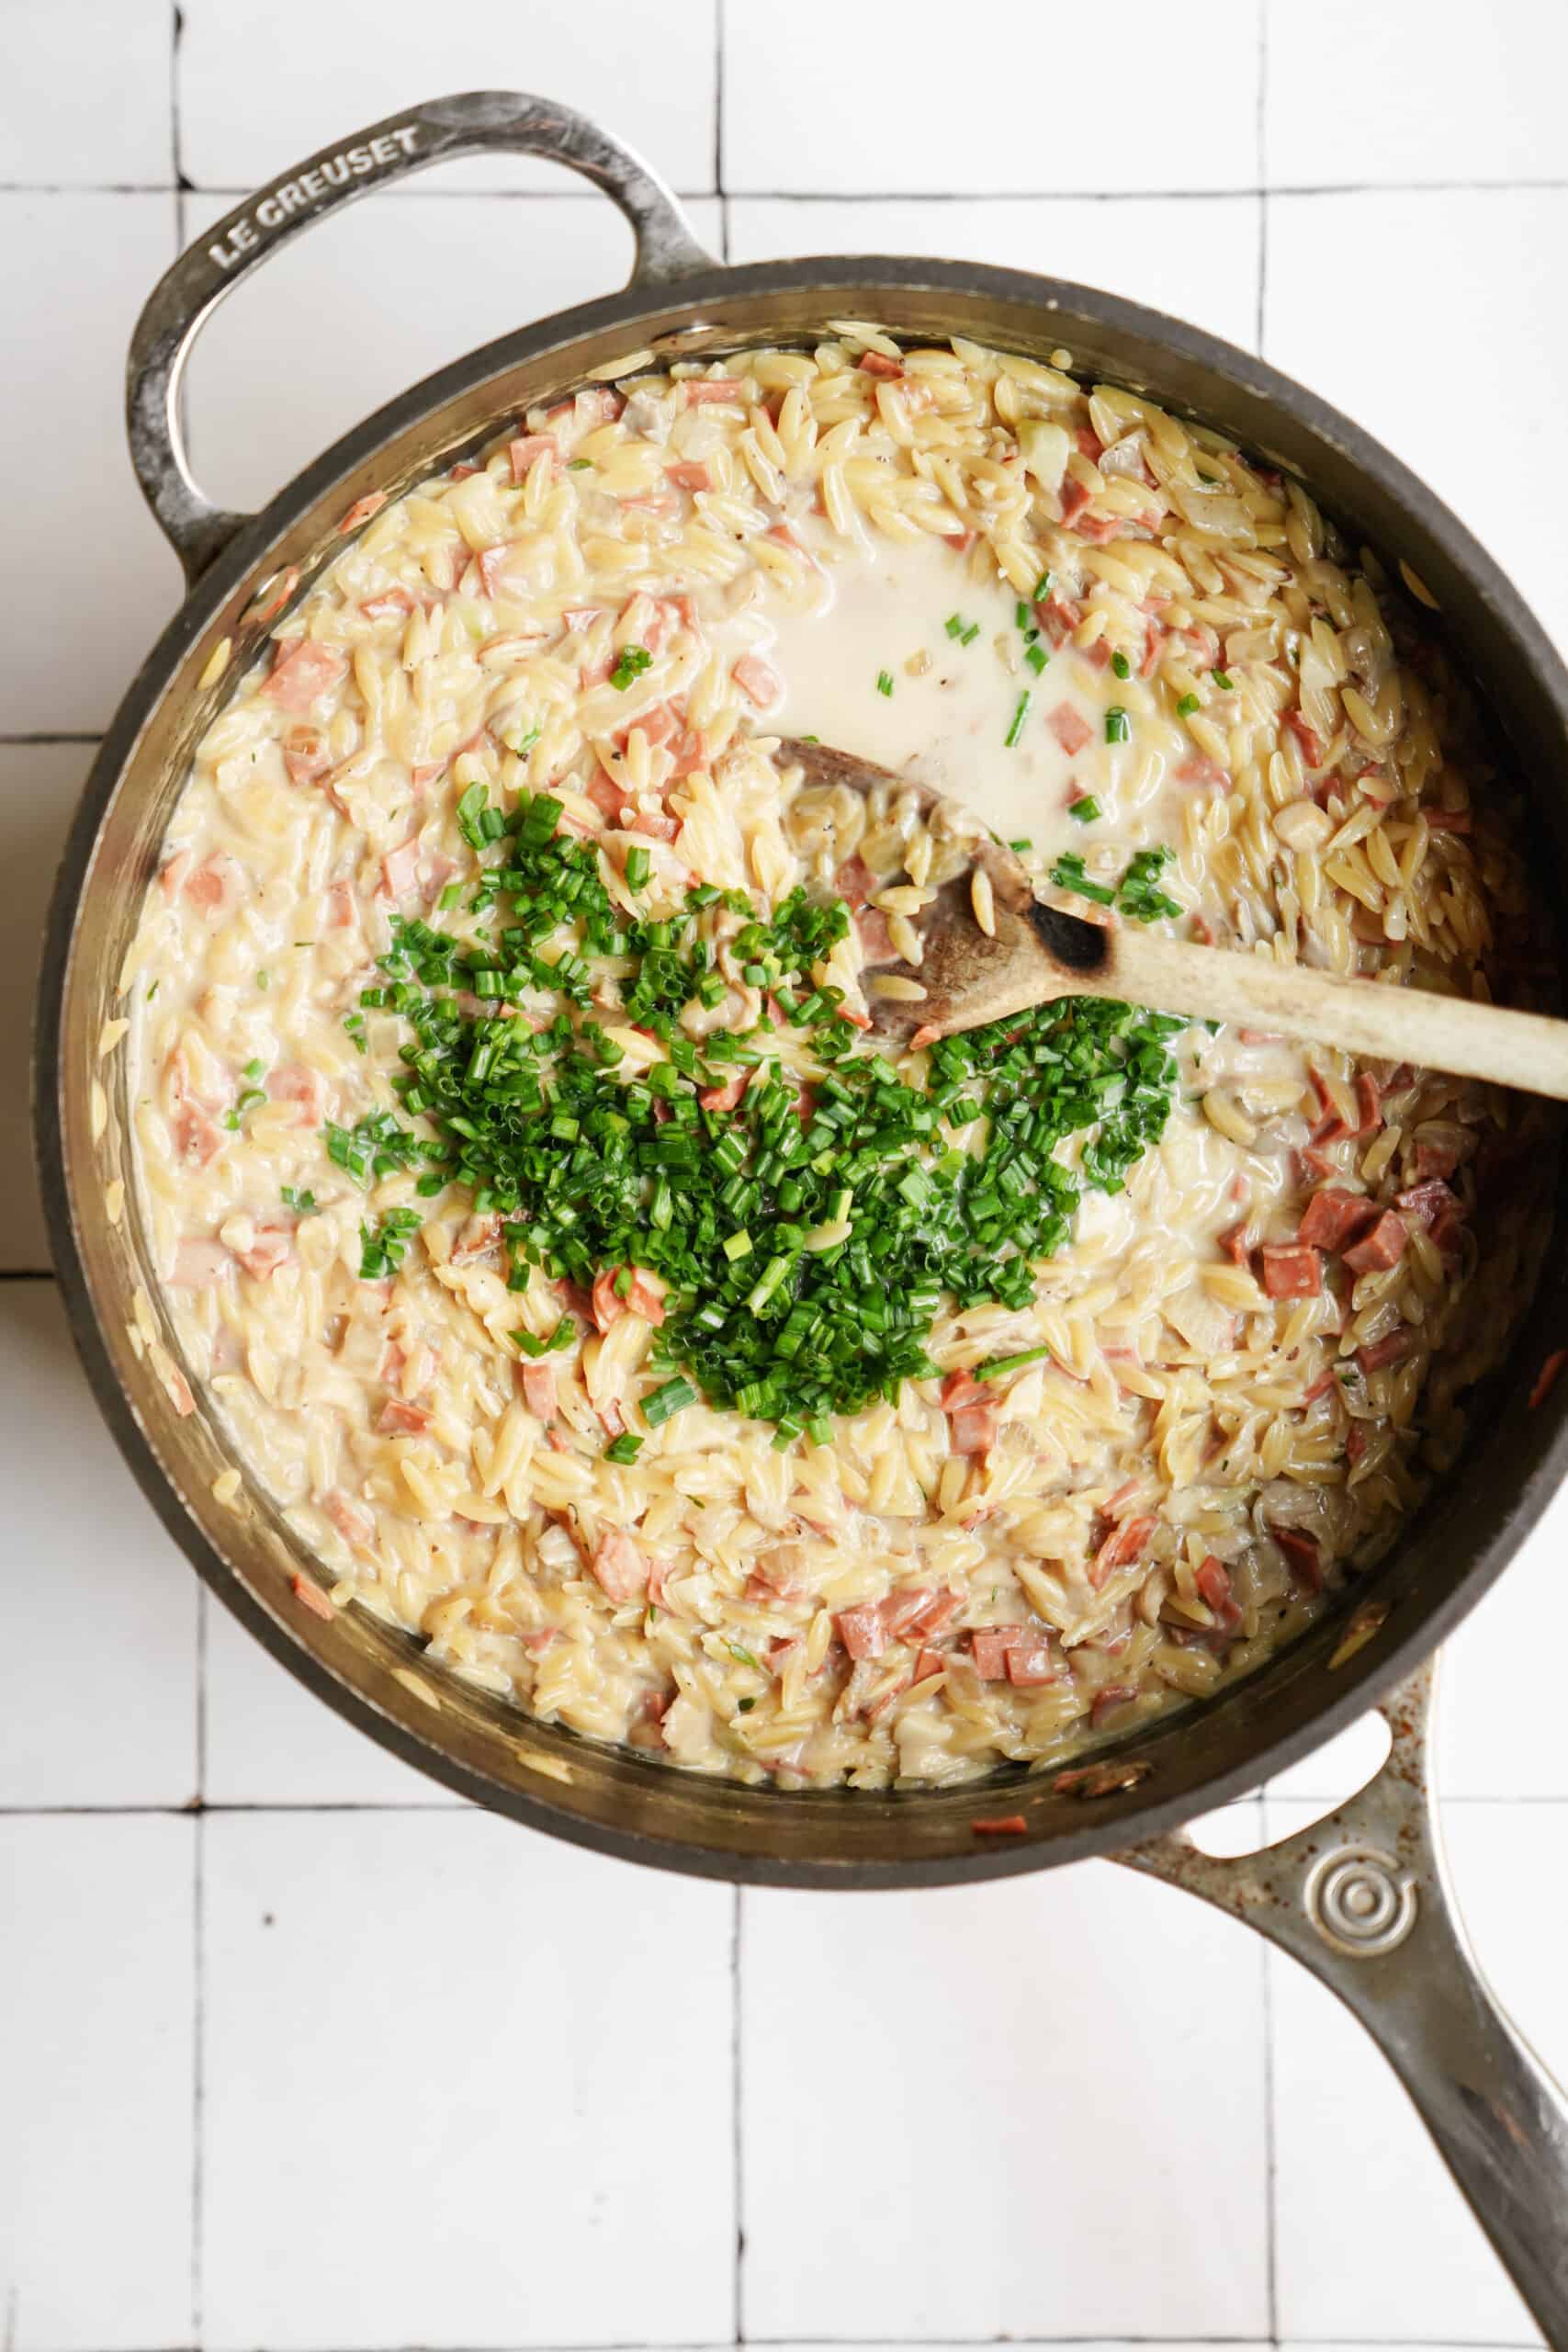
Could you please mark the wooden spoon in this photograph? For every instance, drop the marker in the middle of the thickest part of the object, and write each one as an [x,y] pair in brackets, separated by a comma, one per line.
[1040,953]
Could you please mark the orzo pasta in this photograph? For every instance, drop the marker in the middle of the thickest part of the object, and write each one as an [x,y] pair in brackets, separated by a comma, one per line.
[532,1207]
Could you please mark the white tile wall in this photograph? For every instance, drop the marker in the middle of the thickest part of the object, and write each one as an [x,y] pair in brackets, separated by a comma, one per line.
[339,2062]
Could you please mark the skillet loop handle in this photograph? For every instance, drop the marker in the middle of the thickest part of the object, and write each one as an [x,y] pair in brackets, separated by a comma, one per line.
[477,122]
[1363,1900]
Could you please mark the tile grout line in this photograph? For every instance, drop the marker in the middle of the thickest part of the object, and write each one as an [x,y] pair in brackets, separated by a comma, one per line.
[1307,188]
[738,2156]
[719,114]
[199,2090]
[193,1806]
[1270,2138]
[176,34]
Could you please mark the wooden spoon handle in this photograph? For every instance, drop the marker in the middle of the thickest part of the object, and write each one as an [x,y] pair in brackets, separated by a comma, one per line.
[1396,1025]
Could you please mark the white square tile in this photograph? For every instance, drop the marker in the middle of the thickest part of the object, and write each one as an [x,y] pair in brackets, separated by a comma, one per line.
[270,1741]
[464,2085]
[1403,92]
[1474,297]
[96,2001]
[99,584]
[1012,2072]
[1196,257]
[257,415]
[821,98]
[39,783]
[1490,1744]
[97,1668]
[252,104]
[85,97]
[1417,2263]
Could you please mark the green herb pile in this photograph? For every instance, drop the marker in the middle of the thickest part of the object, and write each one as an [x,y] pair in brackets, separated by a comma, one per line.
[807,1234]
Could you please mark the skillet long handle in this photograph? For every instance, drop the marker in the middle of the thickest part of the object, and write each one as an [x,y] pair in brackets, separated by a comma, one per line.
[1363,1900]
[1447,1033]
[473,122]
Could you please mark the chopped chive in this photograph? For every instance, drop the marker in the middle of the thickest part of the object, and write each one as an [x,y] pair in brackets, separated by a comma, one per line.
[580,465]
[1040,588]
[625,1448]
[1085,811]
[1023,843]
[1187,706]
[970,633]
[630,662]
[1036,657]
[450,897]
[1118,726]
[1222,680]
[1022,613]
[672,1397]
[253,1070]
[954,624]
[738,1245]
[1016,730]
[999,1366]
[1121,666]
[262,979]
[302,1203]
[640,865]
[151,992]
[885,682]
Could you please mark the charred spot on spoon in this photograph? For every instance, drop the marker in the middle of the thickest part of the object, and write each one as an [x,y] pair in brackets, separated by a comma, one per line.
[1077,945]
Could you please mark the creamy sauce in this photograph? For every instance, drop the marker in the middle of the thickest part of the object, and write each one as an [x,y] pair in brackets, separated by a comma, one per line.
[884,608]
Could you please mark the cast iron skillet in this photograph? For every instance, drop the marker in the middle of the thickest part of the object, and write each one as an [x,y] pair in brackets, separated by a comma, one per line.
[1360,1898]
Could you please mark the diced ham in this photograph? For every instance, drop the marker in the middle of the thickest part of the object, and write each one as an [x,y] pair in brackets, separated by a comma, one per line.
[961,540]
[540,1389]
[197,1135]
[1154,647]
[1546,1378]
[958,1389]
[926,1034]
[1215,1590]
[526,451]
[303,673]
[611,1417]
[973,1427]
[706,390]
[989,1647]
[1430,1202]
[1439,1159]
[1302,1551]
[389,602]
[398,1419]
[1320,1387]
[1028,1662]
[200,1265]
[689,473]
[480,1236]
[1204,773]
[1369,1101]
[1000,1825]
[1106,1702]
[1291,1270]
[1058,617]
[861,1630]
[1380,1248]
[362,510]
[353,1521]
[213,884]
[1392,1348]
[1447,820]
[1307,737]
[1237,1242]
[651,823]
[688,753]
[620,1568]
[937,1616]
[271,1246]
[646,1297]
[650,501]
[1119,1548]
[659,725]
[305,754]
[725,1097]
[854,882]
[757,679]
[876,938]
[1070,728]
[1355,1443]
[903,1611]
[491,564]
[399,870]
[877,363]
[1075,496]
[309,1594]
[1334,1216]
[306,1089]
[172,872]
[927,1663]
